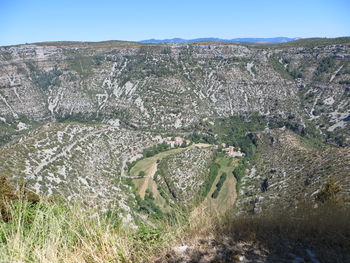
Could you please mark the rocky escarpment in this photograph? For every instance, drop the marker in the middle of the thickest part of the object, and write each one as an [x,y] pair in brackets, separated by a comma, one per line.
[175,86]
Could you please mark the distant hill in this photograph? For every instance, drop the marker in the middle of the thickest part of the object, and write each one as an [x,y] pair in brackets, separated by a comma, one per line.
[274,40]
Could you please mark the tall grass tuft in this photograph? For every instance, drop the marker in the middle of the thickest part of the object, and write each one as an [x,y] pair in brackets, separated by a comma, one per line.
[57,232]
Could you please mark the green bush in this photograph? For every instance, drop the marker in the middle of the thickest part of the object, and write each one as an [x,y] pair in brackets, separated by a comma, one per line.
[219,185]
[221,180]
[278,67]
[148,206]
[296,73]
[149,152]
[203,138]
[239,172]
[237,131]
[215,194]
[130,165]
[45,79]
[325,65]
[213,172]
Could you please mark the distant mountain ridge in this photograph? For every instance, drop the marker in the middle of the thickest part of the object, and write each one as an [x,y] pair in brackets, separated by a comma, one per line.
[273,40]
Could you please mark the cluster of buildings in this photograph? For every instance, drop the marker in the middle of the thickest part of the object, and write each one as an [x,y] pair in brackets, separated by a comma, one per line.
[179,141]
[172,141]
[232,151]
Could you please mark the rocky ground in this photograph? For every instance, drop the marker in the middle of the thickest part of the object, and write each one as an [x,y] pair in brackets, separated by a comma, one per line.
[228,250]
[76,161]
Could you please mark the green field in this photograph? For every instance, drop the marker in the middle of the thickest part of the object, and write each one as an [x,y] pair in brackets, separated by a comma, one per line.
[149,167]
[219,205]
[145,164]
[227,194]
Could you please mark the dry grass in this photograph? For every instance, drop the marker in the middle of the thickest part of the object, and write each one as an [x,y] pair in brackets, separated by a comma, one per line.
[57,232]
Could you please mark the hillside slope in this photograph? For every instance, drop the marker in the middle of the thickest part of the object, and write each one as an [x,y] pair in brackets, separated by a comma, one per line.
[175,86]
[287,170]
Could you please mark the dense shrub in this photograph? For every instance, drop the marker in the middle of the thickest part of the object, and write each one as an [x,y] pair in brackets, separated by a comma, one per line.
[213,172]
[221,180]
[130,165]
[203,138]
[237,131]
[239,172]
[325,65]
[148,206]
[219,185]
[296,73]
[46,79]
[149,152]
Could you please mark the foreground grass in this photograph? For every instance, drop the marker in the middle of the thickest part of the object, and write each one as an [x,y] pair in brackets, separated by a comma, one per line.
[56,232]
[49,231]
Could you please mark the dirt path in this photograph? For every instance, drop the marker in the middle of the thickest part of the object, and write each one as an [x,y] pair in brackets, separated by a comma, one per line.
[150,172]
[201,145]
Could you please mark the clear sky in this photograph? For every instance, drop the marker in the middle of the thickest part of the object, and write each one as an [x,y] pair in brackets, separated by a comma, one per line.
[27,21]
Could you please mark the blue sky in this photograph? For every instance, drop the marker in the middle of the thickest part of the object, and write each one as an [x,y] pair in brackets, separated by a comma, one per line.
[27,21]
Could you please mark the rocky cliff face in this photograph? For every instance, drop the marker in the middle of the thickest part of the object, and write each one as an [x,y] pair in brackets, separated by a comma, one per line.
[174,86]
